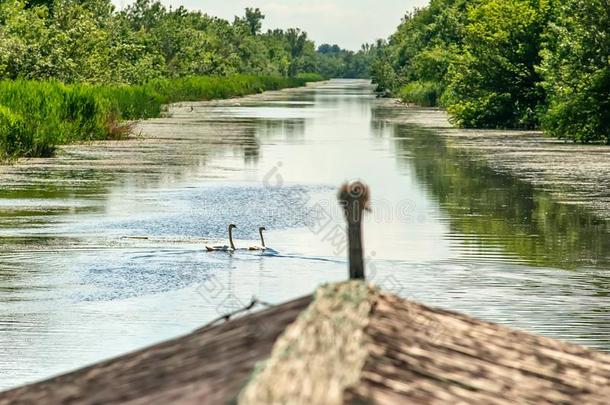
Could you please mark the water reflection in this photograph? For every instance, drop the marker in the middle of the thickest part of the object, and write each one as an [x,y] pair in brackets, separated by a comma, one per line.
[488,209]
[101,250]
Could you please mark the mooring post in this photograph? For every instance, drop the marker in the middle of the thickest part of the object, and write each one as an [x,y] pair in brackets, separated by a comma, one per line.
[354,198]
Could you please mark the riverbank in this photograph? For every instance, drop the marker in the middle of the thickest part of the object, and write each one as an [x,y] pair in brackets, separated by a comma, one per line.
[36,117]
[574,174]
[189,135]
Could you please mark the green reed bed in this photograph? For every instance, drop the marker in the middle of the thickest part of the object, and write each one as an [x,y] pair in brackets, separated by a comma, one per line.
[35,117]
[421,93]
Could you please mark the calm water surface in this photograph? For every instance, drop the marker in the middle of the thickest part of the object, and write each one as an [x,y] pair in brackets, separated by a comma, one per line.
[102,249]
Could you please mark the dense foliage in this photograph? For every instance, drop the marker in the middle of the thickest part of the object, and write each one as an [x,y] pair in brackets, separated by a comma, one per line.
[494,82]
[506,64]
[332,61]
[88,41]
[73,69]
[576,68]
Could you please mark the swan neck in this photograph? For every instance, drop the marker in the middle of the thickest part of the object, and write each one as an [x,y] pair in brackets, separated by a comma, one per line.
[262,238]
[231,238]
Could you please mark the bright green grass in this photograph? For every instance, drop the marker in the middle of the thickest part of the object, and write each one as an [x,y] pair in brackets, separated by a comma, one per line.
[35,117]
[420,93]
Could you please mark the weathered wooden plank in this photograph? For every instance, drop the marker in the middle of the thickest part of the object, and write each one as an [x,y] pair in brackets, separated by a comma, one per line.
[353,344]
[209,365]
[417,354]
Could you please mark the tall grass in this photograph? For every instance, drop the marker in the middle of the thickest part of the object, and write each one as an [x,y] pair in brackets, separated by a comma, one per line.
[421,93]
[35,117]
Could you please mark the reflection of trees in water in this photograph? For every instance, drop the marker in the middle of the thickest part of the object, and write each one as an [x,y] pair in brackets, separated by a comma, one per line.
[501,209]
[381,114]
[251,154]
[381,120]
[381,128]
[89,173]
[251,134]
[291,130]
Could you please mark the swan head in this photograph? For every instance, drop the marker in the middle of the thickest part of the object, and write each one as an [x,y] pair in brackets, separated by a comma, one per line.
[354,197]
[231,226]
[262,228]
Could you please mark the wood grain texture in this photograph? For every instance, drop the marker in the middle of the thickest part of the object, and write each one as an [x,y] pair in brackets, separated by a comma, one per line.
[427,355]
[404,352]
[209,365]
[418,354]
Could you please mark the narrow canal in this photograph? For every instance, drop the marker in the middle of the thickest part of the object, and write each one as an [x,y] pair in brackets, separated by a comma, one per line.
[101,249]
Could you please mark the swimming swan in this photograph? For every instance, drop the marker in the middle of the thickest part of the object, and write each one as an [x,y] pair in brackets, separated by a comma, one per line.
[262,247]
[224,248]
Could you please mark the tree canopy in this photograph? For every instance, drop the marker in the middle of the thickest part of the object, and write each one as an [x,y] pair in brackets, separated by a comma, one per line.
[89,41]
[506,64]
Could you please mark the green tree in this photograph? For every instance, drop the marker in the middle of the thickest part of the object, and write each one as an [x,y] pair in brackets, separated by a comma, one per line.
[297,46]
[576,70]
[422,49]
[88,41]
[383,68]
[494,82]
[65,46]
[254,19]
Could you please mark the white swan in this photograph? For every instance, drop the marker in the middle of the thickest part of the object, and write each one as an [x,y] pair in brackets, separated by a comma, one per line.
[262,247]
[224,248]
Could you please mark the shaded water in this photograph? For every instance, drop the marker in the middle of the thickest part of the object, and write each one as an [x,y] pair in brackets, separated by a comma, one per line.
[102,249]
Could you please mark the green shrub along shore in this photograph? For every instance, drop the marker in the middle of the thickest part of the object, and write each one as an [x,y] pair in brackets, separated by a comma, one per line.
[424,94]
[505,64]
[36,116]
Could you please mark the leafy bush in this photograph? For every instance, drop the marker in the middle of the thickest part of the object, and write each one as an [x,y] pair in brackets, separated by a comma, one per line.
[483,110]
[576,70]
[494,83]
[585,116]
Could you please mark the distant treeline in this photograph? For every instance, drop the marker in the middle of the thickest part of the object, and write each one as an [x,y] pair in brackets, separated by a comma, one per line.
[332,61]
[506,64]
[88,41]
[71,70]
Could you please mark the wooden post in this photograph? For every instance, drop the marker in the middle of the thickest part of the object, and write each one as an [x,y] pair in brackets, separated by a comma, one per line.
[356,261]
[354,198]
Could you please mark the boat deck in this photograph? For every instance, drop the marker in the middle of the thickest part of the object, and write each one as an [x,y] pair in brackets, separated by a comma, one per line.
[349,343]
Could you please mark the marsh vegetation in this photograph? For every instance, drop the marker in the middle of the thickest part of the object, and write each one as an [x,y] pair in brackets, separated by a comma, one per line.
[36,116]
